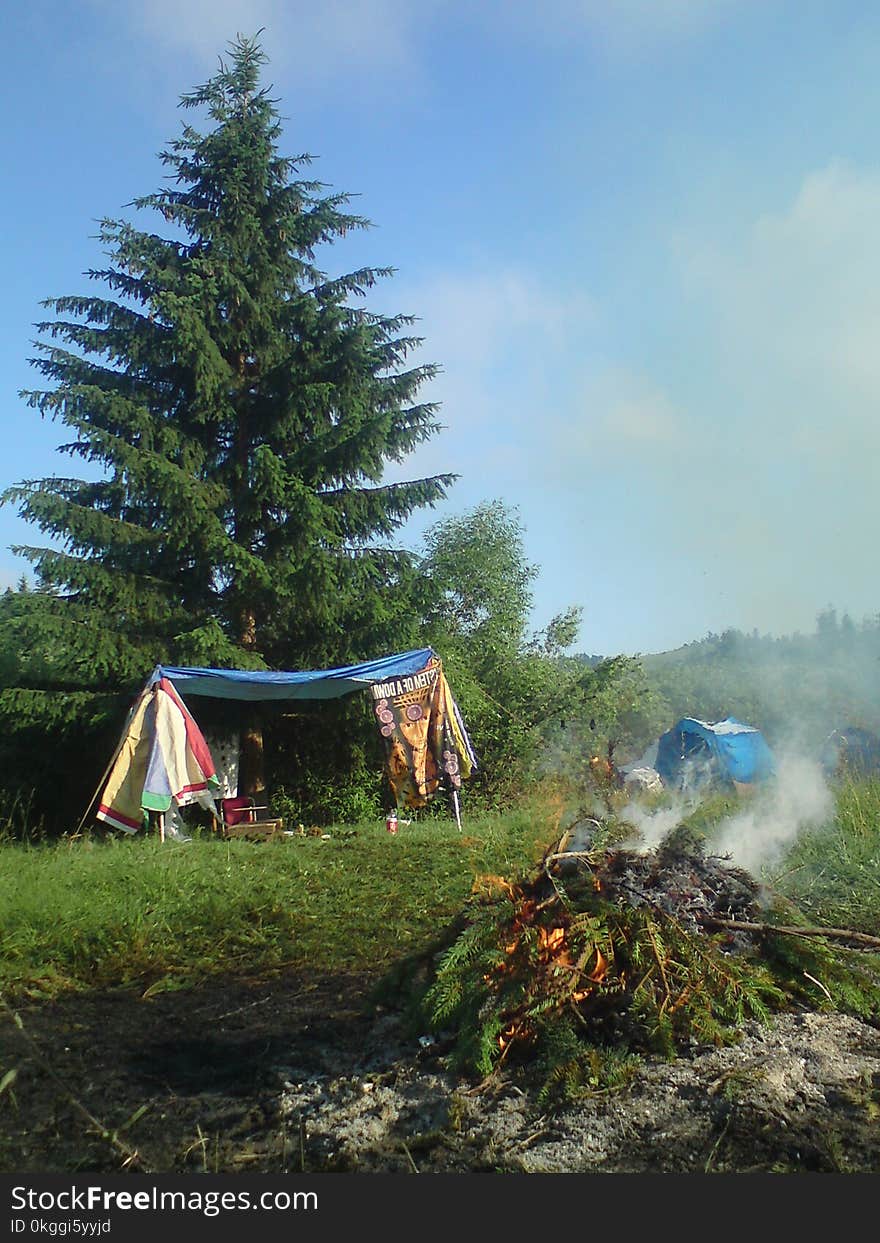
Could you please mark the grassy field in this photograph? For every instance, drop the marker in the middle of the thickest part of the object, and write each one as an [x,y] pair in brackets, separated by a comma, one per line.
[97,913]
[92,913]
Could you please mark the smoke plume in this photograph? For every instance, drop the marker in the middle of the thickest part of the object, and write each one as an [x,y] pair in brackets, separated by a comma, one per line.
[773,817]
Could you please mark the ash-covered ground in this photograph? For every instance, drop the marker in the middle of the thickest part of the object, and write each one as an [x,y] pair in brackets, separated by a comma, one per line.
[307,1076]
[802,1094]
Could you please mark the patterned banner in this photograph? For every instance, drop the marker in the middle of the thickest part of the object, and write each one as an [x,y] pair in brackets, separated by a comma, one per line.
[426,741]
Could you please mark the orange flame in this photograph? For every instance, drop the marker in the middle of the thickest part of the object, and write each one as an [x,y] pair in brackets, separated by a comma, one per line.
[551,939]
[597,975]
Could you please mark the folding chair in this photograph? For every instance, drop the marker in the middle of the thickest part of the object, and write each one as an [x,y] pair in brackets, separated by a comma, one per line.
[241,817]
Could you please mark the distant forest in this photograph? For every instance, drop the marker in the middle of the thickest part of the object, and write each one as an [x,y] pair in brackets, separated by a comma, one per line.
[796,688]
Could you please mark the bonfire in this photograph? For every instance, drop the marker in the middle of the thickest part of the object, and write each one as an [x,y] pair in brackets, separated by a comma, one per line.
[605,954]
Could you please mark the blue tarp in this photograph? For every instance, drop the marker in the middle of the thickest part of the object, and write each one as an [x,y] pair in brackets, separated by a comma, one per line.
[312,684]
[694,751]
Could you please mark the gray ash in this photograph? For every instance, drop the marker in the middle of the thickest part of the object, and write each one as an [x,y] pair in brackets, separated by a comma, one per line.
[678,879]
[682,881]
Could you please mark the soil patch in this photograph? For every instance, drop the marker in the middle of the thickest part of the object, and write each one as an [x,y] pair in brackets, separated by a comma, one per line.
[307,1075]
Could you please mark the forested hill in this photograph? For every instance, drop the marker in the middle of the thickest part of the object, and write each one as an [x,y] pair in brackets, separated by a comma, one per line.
[800,686]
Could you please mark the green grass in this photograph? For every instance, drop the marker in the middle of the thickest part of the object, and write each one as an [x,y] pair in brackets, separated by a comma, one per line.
[92,913]
[84,914]
[833,873]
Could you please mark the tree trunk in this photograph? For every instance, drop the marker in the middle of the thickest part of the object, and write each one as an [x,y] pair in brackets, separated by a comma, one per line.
[251,769]
[251,766]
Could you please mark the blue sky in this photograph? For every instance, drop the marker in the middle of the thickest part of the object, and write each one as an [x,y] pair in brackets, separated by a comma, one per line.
[642,238]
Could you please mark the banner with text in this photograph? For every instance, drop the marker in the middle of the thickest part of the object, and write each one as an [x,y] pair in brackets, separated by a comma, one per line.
[426,741]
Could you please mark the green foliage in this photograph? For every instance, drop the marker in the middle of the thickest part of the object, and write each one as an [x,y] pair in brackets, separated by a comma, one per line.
[568,1069]
[821,975]
[614,710]
[240,408]
[19,821]
[59,722]
[832,873]
[797,687]
[325,762]
[324,799]
[528,705]
[479,583]
[580,986]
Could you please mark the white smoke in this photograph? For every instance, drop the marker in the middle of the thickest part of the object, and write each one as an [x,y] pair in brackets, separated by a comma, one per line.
[755,837]
[773,817]
[652,825]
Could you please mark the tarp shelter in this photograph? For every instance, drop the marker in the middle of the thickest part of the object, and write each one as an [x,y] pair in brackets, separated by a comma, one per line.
[851,751]
[694,752]
[162,759]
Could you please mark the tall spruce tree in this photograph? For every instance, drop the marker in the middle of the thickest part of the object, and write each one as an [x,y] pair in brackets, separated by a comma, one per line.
[240,408]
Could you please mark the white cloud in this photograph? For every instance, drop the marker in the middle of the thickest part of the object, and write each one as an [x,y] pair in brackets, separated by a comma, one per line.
[629,23]
[473,319]
[354,40]
[782,428]
[500,336]
[745,458]
[614,419]
[641,417]
[333,40]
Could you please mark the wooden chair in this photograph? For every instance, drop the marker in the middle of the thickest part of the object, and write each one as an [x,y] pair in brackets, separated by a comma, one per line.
[242,817]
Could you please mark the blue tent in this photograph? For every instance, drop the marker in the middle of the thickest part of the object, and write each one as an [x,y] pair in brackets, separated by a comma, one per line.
[693,752]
